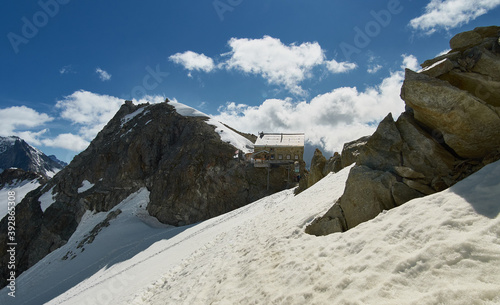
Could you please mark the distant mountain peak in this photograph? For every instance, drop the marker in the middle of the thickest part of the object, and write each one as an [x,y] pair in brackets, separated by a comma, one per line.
[16,153]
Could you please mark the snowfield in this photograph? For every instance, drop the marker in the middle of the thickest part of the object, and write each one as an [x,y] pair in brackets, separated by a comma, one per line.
[21,188]
[441,249]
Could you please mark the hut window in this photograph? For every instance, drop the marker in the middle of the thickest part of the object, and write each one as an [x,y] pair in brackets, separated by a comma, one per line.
[288,157]
[296,157]
[280,157]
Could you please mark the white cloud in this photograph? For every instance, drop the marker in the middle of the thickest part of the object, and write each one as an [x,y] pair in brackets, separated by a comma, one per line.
[15,120]
[193,61]
[91,111]
[88,112]
[103,75]
[340,67]
[449,14]
[329,120]
[410,62]
[279,64]
[372,69]
[67,141]
[32,137]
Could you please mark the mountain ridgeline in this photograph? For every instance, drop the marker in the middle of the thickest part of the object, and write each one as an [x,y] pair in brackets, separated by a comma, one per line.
[191,174]
[16,153]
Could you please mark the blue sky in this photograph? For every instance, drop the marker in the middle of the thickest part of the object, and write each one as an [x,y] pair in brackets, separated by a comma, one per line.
[331,69]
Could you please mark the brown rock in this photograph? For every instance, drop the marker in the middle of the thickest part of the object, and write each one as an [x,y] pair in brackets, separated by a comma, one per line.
[402,193]
[332,222]
[367,193]
[352,150]
[468,125]
[481,86]
[439,68]
[465,40]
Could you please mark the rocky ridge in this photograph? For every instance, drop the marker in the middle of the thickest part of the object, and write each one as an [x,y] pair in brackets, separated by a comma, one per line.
[190,173]
[16,153]
[450,129]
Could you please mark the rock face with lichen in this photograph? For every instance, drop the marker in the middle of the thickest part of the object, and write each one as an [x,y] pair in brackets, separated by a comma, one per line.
[191,175]
[450,129]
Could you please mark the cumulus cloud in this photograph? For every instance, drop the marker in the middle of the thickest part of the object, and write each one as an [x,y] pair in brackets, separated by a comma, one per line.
[410,62]
[103,75]
[90,111]
[329,120]
[15,120]
[340,67]
[278,63]
[449,14]
[67,141]
[193,61]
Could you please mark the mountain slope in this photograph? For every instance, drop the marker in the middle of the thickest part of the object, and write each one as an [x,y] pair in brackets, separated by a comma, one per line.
[20,182]
[193,167]
[15,152]
[444,248]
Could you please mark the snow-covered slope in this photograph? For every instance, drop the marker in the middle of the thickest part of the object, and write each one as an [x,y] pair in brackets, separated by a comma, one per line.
[441,249]
[20,188]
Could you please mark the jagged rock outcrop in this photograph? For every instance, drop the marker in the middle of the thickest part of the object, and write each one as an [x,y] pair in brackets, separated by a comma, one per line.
[191,174]
[333,165]
[352,150]
[320,167]
[451,129]
[14,175]
[318,163]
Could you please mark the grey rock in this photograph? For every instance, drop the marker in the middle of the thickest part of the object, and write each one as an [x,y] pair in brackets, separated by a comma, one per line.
[367,193]
[333,165]
[382,150]
[407,172]
[468,125]
[439,68]
[331,222]
[318,163]
[465,40]
[352,150]
[402,193]
[450,129]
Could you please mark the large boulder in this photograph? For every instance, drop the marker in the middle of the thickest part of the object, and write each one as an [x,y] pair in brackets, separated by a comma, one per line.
[469,125]
[450,129]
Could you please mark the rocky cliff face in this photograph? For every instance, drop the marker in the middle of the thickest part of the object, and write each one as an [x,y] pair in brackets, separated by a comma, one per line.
[451,128]
[190,173]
